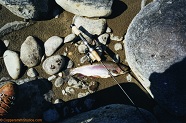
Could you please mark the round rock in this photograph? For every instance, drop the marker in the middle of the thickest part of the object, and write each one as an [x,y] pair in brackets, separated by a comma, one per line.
[70,38]
[59,82]
[53,64]
[32,72]
[155,49]
[52,44]
[103,38]
[30,52]
[118,46]
[12,63]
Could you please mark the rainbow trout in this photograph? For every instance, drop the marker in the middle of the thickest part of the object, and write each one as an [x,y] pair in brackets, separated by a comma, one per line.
[99,71]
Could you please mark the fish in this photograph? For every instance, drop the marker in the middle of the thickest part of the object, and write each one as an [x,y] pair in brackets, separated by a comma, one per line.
[97,70]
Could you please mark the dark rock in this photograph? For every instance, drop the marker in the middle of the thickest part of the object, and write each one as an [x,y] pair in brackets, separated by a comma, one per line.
[155,49]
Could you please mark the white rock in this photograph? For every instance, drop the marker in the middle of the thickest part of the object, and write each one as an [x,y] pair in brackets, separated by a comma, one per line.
[83,59]
[64,92]
[60,74]
[80,95]
[108,30]
[129,78]
[58,101]
[70,64]
[115,38]
[30,52]
[59,82]
[53,64]
[52,77]
[93,26]
[82,48]
[103,38]
[118,46]
[72,81]
[70,38]
[88,8]
[6,42]
[32,72]
[52,44]
[70,90]
[12,63]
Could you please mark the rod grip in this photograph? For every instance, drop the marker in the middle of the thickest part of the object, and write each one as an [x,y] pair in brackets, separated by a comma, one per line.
[75,29]
[96,56]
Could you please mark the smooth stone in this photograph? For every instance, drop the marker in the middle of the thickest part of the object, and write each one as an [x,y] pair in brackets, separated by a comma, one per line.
[70,64]
[52,78]
[88,8]
[70,38]
[155,49]
[53,64]
[58,101]
[103,38]
[52,44]
[13,26]
[51,115]
[69,90]
[30,52]
[108,30]
[82,48]
[92,26]
[6,42]
[118,46]
[28,9]
[12,63]
[32,72]
[115,38]
[114,113]
[59,82]
[83,59]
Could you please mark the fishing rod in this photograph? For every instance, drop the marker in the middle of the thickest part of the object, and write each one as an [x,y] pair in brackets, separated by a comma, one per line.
[96,56]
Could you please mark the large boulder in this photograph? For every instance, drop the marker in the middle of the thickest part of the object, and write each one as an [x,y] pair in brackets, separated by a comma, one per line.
[28,9]
[88,8]
[115,113]
[155,47]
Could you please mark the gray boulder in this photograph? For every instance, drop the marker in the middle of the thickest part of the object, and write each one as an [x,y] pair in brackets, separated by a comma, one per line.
[30,52]
[155,49]
[28,9]
[88,8]
[115,113]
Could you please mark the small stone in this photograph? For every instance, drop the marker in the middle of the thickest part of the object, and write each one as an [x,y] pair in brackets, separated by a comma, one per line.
[80,95]
[70,64]
[30,52]
[49,96]
[77,84]
[52,44]
[82,48]
[64,92]
[70,38]
[51,115]
[129,78]
[59,82]
[69,90]
[115,38]
[108,30]
[93,86]
[103,38]
[72,81]
[12,63]
[60,74]
[53,64]
[118,46]
[58,101]
[6,42]
[51,78]
[32,72]
[83,59]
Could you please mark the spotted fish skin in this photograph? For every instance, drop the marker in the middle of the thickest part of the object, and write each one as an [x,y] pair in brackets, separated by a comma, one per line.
[99,71]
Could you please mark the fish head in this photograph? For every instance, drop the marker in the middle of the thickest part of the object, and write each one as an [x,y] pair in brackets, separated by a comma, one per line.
[124,68]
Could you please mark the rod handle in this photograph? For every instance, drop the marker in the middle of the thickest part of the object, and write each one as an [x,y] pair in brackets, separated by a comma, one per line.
[95,55]
[75,29]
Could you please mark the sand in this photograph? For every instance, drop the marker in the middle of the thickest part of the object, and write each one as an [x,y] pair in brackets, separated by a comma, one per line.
[123,12]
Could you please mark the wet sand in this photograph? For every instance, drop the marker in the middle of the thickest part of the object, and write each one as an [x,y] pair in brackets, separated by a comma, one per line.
[123,12]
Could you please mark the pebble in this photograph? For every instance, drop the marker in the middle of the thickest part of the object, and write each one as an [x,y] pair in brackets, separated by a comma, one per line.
[69,90]
[58,101]
[52,44]
[32,72]
[30,52]
[70,38]
[82,48]
[93,86]
[70,64]
[53,64]
[51,115]
[59,82]
[108,30]
[52,77]
[12,63]
[129,78]
[83,59]
[103,38]
[64,92]
[118,46]
[77,84]
[6,42]
[60,74]
[80,95]
[115,38]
